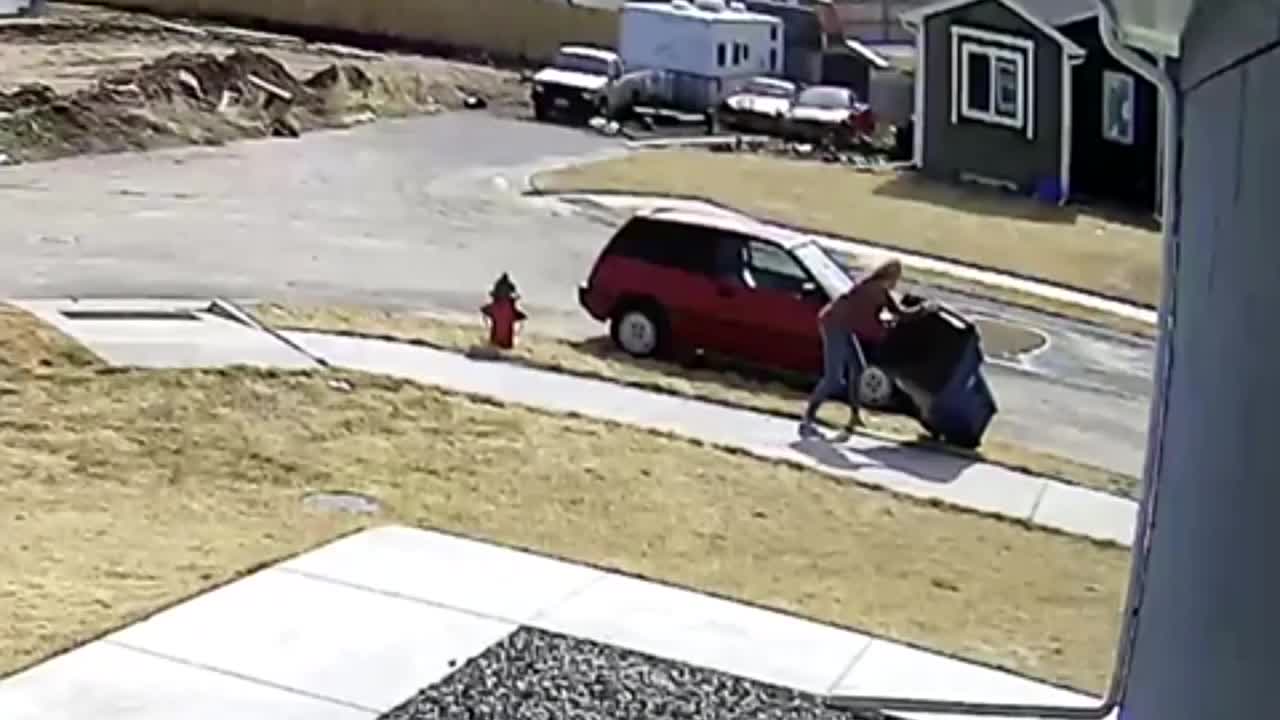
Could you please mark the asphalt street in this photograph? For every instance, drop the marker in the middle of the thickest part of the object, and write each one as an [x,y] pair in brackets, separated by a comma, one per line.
[425,214]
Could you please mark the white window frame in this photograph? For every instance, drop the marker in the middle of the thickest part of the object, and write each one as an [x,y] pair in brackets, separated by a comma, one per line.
[997,48]
[1113,79]
[999,60]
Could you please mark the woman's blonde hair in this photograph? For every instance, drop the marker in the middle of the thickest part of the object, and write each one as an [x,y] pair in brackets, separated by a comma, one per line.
[890,270]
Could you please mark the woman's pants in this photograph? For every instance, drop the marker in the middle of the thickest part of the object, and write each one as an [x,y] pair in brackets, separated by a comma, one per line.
[842,365]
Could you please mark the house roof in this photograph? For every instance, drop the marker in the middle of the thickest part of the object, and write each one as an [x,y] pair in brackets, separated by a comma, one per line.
[866,53]
[1060,12]
[1030,10]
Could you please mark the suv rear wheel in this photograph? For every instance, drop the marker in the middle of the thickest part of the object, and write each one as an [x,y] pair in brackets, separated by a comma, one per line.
[639,329]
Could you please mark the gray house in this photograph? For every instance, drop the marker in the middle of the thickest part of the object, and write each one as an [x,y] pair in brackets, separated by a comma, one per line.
[1006,95]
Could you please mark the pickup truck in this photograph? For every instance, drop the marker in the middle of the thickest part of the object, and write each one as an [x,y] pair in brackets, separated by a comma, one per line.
[583,82]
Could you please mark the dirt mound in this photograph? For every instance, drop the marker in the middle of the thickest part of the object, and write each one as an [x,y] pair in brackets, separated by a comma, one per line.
[204,79]
[186,98]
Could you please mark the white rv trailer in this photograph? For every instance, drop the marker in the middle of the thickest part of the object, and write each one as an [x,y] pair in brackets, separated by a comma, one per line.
[701,50]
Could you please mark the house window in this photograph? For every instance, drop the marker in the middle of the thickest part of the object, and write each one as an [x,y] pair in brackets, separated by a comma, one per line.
[720,54]
[1117,107]
[993,85]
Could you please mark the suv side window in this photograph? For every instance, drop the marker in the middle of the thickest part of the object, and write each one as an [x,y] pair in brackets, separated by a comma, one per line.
[773,268]
[674,245]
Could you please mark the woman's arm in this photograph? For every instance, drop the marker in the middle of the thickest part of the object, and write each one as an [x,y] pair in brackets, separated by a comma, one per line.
[897,309]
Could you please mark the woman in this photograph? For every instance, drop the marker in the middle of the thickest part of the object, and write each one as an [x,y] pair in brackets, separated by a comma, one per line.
[840,322]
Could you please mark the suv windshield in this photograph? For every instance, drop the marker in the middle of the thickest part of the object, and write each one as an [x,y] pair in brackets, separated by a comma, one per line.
[578,62]
[829,98]
[830,274]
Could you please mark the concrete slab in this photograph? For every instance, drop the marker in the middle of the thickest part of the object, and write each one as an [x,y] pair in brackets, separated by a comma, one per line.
[357,647]
[1087,512]
[279,644]
[450,571]
[698,629]
[164,333]
[106,682]
[887,669]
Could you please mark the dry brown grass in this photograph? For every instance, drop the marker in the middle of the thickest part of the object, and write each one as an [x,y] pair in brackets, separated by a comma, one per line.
[597,358]
[124,491]
[1063,245]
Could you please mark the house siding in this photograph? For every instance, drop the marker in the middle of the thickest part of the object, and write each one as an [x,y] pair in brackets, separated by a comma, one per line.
[1103,170]
[968,147]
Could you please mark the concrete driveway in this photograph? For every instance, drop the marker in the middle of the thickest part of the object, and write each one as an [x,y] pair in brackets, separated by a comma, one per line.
[421,213]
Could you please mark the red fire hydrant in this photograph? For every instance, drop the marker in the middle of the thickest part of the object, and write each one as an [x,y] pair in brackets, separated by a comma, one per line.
[502,313]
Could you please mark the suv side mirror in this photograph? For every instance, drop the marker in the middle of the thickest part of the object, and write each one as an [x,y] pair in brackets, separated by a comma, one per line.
[810,289]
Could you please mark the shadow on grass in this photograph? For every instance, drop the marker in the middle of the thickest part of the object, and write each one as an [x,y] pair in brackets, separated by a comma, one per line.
[974,199]
[978,200]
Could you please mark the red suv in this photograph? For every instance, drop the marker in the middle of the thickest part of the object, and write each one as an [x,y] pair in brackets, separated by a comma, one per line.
[679,281]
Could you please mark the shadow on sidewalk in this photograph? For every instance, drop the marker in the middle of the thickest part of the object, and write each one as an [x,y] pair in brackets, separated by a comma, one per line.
[915,460]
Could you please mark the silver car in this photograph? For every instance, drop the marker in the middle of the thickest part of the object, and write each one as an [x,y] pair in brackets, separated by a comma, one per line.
[762,105]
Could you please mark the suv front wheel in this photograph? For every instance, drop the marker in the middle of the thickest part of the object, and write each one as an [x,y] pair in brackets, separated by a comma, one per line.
[640,330]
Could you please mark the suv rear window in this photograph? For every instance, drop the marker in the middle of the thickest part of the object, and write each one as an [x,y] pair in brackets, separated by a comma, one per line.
[674,245]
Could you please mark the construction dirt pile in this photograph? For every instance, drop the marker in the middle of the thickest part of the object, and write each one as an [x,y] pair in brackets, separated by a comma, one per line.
[202,98]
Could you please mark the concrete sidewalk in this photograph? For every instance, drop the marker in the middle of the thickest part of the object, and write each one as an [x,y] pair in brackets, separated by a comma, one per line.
[914,471]
[203,338]
[625,204]
[352,629]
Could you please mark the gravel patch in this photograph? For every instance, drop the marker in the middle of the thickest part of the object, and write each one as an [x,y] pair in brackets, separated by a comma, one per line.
[537,675]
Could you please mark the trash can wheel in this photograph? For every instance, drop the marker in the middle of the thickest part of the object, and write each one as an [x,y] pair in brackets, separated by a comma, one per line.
[875,388]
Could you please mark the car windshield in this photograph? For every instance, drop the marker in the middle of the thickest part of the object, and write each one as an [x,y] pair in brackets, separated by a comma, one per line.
[579,62]
[829,98]
[769,88]
[829,273]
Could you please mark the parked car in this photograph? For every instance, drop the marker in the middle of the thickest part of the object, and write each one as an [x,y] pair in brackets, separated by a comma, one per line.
[674,283]
[830,114]
[583,82]
[762,105]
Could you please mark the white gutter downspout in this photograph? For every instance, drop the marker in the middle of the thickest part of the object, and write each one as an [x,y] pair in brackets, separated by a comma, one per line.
[1172,106]
[919,91]
[1155,439]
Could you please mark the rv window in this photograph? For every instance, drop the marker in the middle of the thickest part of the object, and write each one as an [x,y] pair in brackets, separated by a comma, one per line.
[746,52]
[773,60]
[773,33]
[737,53]
[720,54]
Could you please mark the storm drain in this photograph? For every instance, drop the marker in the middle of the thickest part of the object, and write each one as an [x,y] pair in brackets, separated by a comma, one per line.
[342,502]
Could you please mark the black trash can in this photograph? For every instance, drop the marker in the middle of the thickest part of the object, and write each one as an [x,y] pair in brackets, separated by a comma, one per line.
[936,358]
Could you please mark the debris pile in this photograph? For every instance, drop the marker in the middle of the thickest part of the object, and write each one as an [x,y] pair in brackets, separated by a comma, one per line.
[186,98]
